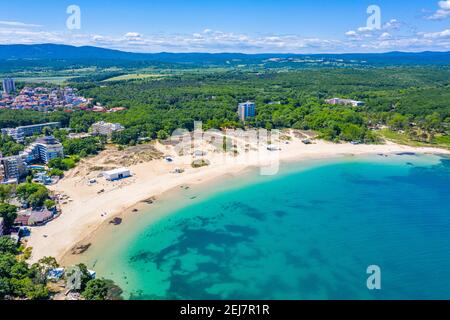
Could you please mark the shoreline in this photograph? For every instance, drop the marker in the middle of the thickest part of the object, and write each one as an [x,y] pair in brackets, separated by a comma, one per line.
[86,216]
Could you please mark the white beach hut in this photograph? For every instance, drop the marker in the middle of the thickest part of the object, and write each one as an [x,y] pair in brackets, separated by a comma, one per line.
[117,174]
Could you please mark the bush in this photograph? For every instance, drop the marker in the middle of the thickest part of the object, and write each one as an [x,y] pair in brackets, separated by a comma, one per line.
[49,204]
[56,173]
[199,163]
[63,164]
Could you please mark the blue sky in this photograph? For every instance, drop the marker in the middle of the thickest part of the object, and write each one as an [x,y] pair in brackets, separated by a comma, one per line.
[301,26]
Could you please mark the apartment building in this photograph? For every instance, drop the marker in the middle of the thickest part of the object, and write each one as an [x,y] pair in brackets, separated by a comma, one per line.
[339,101]
[13,169]
[9,85]
[105,128]
[20,133]
[43,150]
[246,110]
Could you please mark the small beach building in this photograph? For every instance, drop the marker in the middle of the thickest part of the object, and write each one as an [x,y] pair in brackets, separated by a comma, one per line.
[117,174]
[22,219]
[40,217]
[273,147]
[92,274]
[55,274]
[30,217]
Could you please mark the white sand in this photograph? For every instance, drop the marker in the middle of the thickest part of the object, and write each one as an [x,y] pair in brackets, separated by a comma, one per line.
[83,215]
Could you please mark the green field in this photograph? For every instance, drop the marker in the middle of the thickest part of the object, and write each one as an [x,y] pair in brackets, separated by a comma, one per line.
[441,141]
[52,80]
[135,76]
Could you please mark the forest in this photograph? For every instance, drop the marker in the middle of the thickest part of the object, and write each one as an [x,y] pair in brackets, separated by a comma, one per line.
[411,100]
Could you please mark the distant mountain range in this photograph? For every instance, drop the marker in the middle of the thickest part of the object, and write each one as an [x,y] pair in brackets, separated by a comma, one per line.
[66,52]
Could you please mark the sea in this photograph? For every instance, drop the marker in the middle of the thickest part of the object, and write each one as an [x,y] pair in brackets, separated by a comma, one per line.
[316,230]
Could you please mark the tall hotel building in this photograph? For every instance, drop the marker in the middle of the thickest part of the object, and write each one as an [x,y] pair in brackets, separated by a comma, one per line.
[8,85]
[246,110]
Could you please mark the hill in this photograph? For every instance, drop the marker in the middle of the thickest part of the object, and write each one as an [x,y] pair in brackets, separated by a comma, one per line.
[43,52]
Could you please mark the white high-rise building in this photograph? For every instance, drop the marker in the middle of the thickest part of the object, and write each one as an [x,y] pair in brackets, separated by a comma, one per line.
[43,150]
[246,110]
[9,85]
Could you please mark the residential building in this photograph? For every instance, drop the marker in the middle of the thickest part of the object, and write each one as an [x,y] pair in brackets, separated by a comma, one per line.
[13,168]
[2,171]
[2,226]
[105,128]
[9,85]
[43,150]
[336,101]
[46,99]
[246,110]
[21,132]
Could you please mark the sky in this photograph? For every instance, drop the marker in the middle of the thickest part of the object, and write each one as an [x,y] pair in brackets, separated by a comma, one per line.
[248,26]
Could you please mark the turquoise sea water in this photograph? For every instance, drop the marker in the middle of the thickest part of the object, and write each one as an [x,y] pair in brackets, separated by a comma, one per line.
[308,233]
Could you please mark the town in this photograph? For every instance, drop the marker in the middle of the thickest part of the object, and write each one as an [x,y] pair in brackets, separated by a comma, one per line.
[47,99]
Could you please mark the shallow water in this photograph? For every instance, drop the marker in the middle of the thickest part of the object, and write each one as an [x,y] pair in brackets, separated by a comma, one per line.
[308,233]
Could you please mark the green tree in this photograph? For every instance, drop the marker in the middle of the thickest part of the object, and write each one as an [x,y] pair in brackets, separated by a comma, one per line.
[4,288]
[25,288]
[398,122]
[47,131]
[32,193]
[8,147]
[42,268]
[17,279]
[38,198]
[433,122]
[96,289]
[6,192]
[63,164]
[351,132]
[102,289]
[9,213]
[7,245]
[162,135]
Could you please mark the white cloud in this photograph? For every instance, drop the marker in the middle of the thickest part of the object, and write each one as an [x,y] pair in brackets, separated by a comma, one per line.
[445,5]
[437,35]
[220,41]
[133,35]
[97,38]
[366,32]
[19,24]
[365,29]
[392,24]
[443,12]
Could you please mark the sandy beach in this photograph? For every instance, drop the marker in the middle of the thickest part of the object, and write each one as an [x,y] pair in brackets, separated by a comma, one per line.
[87,206]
